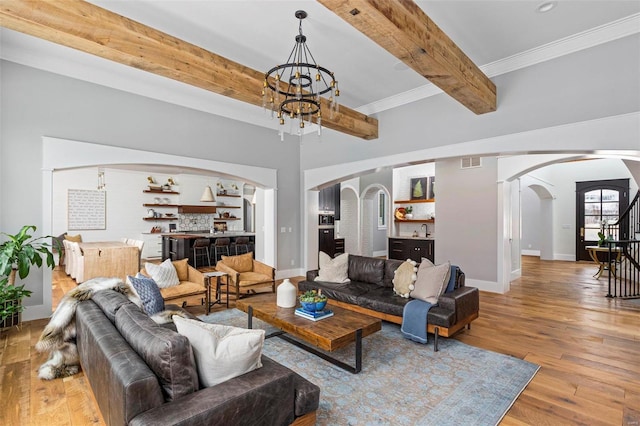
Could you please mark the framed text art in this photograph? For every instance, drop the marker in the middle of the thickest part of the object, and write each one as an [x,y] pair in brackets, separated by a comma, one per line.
[419,188]
[86,209]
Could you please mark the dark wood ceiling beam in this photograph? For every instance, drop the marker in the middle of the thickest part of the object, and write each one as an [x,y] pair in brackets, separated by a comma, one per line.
[92,29]
[405,31]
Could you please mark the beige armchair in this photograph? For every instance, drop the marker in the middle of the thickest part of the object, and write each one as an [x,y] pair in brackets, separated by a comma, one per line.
[192,290]
[245,274]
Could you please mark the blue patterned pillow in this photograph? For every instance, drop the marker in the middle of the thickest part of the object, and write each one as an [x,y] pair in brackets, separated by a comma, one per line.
[149,293]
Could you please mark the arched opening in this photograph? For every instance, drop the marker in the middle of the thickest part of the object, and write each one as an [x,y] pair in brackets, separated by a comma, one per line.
[373,238]
[349,224]
[60,154]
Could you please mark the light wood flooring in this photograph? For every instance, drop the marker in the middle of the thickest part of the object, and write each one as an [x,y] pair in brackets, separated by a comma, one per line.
[556,316]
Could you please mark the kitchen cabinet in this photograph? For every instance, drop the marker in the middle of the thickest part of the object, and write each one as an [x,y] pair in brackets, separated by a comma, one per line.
[329,200]
[152,248]
[410,248]
[339,246]
[326,241]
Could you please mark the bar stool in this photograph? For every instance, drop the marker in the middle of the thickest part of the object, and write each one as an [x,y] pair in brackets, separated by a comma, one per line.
[242,243]
[201,248]
[221,246]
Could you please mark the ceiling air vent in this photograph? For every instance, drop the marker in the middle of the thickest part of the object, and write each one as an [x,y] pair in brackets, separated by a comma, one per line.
[470,162]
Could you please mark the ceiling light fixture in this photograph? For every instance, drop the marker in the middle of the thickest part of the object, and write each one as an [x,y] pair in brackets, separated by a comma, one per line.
[294,89]
[207,195]
[546,6]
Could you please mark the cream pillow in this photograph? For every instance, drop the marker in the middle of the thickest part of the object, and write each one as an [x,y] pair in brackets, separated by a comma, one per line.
[333,270]
[404,278]
[221,352]
[431,281]
[164,274]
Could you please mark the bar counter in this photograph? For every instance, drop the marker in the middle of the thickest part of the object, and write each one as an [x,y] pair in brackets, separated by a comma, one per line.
[179,245]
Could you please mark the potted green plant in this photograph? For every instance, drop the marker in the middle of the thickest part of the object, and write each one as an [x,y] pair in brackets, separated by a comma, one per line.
[312,300]
[17,255]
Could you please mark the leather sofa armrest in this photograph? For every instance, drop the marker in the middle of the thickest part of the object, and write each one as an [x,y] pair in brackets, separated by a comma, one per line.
[307,396]
[462,301]
[195,276]
[232,274]
[311,275]
[264,269]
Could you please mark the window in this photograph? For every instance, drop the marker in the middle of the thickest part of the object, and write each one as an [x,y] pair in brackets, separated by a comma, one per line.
[382,210]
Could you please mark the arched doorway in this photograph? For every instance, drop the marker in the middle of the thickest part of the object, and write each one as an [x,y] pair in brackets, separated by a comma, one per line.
[349,223]
[373,236]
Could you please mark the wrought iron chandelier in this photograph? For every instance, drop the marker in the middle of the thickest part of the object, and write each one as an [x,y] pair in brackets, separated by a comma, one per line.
[294,90]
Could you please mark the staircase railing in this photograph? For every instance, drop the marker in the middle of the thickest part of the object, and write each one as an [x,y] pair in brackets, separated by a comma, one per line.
[624,253]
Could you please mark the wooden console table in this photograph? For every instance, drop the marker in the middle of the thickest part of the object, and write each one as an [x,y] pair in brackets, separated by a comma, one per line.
[604,266]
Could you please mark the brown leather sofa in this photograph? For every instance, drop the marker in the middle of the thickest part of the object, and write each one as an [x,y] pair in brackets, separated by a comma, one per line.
[142,373]
[371,292]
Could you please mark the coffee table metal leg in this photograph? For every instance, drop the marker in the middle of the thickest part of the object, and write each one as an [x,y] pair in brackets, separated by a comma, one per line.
[332,360]
[250,317]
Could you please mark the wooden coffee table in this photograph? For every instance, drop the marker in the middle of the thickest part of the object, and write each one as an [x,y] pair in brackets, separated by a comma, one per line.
[329,334]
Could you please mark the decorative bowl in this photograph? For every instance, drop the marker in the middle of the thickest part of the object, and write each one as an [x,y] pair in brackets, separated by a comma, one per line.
[313,306]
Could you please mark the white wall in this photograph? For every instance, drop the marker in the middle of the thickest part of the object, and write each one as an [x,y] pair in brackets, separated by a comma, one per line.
[35,103]
[562,179]
[466,217]
[531,222]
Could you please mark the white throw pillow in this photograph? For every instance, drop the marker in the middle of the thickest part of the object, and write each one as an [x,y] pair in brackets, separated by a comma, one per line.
[431,281]
[164,274]
[333,270]
[221,352]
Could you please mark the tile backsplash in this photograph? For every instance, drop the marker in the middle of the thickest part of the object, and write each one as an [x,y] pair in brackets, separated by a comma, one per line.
[204,222]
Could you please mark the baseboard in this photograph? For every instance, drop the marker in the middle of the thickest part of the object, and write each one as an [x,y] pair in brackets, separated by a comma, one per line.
[36,312]
[565,257]
[516,274]
[288,273]
[489,286]
[530,253]
[380,253]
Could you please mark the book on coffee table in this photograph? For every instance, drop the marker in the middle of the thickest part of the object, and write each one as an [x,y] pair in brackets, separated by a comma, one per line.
[314,316]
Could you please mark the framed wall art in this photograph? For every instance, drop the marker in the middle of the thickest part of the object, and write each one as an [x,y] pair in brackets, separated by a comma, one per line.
[86,209]
[419,188]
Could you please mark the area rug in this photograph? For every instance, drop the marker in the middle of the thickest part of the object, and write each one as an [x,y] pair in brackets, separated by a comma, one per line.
[403,382]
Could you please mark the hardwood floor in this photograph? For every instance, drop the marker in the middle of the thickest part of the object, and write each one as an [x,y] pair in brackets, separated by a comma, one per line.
[556,316]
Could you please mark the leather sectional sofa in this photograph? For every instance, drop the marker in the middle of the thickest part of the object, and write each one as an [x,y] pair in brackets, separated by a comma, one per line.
[142,373]
[371,292]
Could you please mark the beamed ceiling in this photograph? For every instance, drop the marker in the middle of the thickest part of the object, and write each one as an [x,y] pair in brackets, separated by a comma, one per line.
[224,47]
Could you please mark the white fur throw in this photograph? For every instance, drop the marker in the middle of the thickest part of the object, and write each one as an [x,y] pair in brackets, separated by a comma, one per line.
[59,336]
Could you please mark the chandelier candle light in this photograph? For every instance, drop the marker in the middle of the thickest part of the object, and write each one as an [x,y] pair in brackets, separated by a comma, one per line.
[295,89]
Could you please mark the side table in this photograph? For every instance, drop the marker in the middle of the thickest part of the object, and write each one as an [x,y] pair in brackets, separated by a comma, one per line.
[604,266]
[218,299]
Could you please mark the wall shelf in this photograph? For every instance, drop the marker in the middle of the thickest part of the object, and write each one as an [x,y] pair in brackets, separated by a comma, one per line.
[430,200]
[148,191]
[228,207]
[222,219]
[160,205]
[229,195]
[415,220]
[159,218]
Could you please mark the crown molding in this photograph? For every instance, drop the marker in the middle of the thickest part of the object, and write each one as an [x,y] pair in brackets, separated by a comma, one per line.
[584,40]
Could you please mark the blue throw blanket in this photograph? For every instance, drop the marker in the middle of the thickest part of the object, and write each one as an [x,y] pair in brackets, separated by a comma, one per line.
[414,315]
[414,320]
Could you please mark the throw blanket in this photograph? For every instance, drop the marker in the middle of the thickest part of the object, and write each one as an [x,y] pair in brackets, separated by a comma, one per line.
[59,336]
[414,320]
